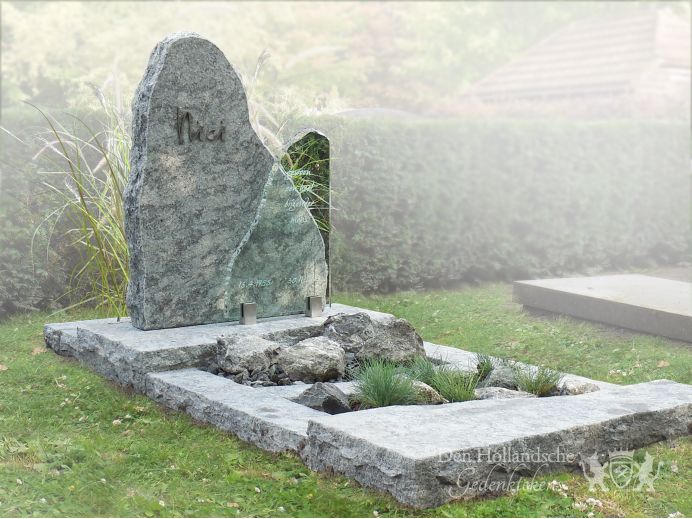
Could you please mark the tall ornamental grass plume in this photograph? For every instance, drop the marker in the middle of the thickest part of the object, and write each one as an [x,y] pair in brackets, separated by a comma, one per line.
[379,383]
[90,170]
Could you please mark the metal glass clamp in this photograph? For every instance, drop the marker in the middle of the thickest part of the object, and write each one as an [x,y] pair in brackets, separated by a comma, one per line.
[314,306]
[248,313]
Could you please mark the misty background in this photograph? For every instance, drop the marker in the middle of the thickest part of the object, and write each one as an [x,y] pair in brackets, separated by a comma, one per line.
[469,141]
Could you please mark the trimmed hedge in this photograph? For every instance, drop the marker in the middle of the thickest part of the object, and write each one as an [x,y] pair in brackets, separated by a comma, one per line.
[432,204]
[422,203]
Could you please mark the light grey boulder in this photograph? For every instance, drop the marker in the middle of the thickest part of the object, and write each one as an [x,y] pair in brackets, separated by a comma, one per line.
[350,331]
[312,360]
[577,387]
[427,394]
[249,353]
[502,375]
[500,393]
[388,338]
[324,397]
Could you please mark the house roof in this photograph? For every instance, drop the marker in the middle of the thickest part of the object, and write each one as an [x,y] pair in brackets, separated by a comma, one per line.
[592,57]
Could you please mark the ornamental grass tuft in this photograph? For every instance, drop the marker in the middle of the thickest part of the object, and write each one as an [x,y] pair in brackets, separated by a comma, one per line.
[379,383]
[484,365]
[421,369]
[455,385]
[541,381]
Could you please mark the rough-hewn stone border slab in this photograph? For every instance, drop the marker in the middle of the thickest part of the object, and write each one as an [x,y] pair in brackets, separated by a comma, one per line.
[646,304]
[426,455]
[270,422]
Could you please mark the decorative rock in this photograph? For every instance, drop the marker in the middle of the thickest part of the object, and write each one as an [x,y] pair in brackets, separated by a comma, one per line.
[388,338]
[241,377]
[427,394]
[260,377]
[207,226]
[352,366]
[502,375]
[325,397]
[249,353]
[500,393]
[314,359]
[572,386]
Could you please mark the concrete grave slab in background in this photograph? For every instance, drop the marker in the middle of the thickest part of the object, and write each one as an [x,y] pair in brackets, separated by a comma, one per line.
[643,303]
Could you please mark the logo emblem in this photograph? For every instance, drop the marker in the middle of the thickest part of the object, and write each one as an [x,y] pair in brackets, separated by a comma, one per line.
[622,470]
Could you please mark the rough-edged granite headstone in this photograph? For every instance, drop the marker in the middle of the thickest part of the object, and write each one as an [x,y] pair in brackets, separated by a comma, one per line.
[193,204]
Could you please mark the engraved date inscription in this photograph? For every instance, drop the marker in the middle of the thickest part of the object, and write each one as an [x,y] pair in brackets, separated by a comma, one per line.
[254,283]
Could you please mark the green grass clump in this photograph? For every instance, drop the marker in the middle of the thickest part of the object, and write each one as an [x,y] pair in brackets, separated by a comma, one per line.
[380,384]
[421,369]
[541,381]
[484,365]
[454,385]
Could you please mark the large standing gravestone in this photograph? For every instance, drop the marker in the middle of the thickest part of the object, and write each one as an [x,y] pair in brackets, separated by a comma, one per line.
[211,218]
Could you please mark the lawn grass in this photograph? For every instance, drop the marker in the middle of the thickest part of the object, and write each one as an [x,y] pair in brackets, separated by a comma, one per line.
[73,444]
[485,320]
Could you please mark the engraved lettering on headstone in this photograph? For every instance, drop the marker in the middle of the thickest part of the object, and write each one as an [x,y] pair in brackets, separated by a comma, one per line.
[195,131]
[300,219]
[295,280]
[292,204]
[254,283]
